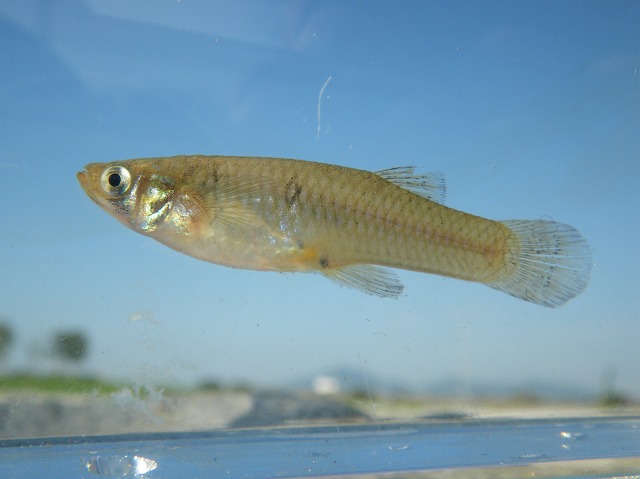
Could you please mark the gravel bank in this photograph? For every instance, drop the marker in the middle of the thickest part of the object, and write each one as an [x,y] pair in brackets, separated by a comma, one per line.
[25,414]
[38,415]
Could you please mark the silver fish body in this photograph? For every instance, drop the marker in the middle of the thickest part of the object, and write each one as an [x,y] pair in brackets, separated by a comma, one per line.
[348,224]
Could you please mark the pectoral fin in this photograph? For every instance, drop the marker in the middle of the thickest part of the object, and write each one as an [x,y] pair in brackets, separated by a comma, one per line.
[236,202]
[373,280]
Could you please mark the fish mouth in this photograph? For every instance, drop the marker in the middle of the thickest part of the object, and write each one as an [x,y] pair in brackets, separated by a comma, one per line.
[83,179]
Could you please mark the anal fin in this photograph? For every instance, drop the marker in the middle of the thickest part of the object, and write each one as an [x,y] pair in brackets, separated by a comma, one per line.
[370,279]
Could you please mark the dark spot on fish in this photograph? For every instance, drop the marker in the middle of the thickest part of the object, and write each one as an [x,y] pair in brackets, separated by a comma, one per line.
[300,245]
[293,192]
[324,262]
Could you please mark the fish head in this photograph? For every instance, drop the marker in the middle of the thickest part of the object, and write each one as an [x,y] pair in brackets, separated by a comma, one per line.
[131,191]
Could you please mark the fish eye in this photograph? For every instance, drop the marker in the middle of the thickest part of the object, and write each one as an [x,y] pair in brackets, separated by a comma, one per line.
[115,180]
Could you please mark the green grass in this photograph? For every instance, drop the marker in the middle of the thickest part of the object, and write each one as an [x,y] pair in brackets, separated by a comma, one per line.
[55,384]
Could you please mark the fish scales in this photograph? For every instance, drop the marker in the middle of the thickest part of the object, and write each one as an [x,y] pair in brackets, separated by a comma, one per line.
[292,215]
[349,216]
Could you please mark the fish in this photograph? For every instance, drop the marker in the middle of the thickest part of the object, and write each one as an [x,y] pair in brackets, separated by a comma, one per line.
[352,226]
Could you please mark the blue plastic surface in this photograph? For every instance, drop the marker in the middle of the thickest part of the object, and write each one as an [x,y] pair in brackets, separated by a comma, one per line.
[339,450]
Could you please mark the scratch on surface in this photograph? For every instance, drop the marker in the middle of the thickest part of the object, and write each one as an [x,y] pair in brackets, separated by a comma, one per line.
[366,381]
[324,86]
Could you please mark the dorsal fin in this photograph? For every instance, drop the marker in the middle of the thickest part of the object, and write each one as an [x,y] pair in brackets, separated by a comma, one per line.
[428,185]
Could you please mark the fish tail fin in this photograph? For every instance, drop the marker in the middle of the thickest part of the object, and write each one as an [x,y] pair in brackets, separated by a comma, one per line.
[547,263]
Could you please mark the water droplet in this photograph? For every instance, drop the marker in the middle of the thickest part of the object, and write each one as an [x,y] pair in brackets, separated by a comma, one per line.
[120,465]
[532,457]
[399,448]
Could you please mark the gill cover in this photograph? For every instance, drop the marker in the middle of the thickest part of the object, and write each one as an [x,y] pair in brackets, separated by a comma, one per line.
[156,200]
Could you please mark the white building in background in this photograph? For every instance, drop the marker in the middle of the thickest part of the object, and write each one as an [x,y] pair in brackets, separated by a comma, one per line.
[323,384]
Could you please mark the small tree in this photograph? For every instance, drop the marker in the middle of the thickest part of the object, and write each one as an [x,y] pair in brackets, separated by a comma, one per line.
[70,346]
[6,339]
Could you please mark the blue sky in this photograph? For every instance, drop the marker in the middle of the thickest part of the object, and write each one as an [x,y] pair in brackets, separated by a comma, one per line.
[531,109]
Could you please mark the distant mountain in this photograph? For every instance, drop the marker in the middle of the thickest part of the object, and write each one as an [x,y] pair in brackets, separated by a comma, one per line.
[353,379]
[540,389]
